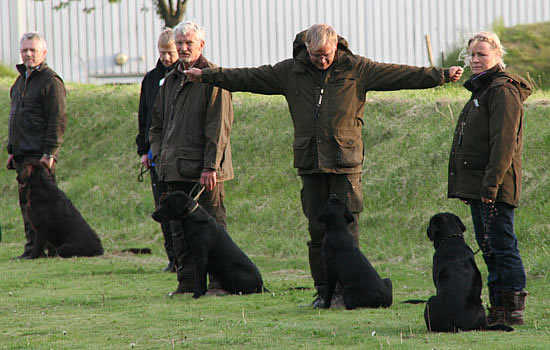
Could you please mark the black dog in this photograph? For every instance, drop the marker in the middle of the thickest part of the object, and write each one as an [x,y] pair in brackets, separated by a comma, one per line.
[211,247]
[55,219]
[457,305]
[361,284]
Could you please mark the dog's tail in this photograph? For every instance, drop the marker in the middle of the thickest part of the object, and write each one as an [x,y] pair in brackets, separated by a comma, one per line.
[500,327]
[413,301]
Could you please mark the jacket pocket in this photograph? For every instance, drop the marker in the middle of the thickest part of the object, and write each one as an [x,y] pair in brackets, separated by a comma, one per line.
[190,163]
[474,163]
[350,150]
[303,152]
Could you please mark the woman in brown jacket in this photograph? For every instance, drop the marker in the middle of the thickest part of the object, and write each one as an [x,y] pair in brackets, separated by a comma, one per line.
[485,171]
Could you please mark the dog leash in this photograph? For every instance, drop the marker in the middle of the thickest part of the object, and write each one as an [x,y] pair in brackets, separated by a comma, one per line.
[488,213]
[196,197]
[142,172]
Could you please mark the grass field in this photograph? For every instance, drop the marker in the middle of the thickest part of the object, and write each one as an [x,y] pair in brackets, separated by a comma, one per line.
[119,301]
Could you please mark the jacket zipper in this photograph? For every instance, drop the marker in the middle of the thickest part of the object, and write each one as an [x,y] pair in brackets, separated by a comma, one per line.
[318,107]
[461,132]
[182,82]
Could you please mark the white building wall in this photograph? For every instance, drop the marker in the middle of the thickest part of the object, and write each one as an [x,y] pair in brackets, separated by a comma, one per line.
[84,37]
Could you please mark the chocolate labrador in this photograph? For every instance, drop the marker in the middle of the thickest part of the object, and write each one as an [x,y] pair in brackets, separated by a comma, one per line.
[56,220]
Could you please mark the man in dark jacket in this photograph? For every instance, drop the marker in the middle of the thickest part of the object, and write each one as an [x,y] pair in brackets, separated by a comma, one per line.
[153,80]
[190,145]
[325,86]
[37,117]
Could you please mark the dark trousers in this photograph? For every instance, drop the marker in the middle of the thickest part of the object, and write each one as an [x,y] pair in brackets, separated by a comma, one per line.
[504,265]
[316,189]
[30,233]
[212,202]
[158,188]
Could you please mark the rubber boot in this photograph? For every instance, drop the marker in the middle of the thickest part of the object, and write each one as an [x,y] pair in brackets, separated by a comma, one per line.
[514,307]
[495,316]
[316,264]
[319,301]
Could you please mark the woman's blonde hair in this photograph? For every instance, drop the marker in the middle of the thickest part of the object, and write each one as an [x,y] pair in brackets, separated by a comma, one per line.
[488,37]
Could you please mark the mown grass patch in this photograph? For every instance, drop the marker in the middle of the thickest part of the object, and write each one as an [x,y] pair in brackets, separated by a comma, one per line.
[117,300]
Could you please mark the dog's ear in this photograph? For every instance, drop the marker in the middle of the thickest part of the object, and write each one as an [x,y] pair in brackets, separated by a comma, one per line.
[180,204]
[162,196]
[459,223]
[159,214]
[348,216]
[432,229]
[26,173]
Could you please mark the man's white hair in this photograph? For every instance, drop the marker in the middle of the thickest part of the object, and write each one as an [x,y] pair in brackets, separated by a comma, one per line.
[190,26]
[33,36]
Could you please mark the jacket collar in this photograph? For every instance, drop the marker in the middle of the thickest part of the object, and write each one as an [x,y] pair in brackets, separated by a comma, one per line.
[163,69]
[22,69]
[482,80]
[201,63]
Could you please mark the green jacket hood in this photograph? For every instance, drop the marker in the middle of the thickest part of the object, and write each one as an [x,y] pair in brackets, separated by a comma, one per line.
[497,76]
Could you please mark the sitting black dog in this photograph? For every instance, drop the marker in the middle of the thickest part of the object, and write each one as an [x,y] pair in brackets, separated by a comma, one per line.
[457,305]
[211,247]
[58,224]
[361,284]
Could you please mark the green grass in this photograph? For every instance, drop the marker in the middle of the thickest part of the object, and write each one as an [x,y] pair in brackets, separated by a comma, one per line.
[7,71]
[117,300]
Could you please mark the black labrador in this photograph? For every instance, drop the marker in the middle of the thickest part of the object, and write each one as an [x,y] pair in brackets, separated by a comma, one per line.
[211,247]
[57,222]
[346,264]
[457,304]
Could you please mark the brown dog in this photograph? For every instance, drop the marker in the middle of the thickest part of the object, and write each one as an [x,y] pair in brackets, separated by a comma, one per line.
[57,222]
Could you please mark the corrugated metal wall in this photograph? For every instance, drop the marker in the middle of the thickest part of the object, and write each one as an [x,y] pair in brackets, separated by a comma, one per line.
[82,42]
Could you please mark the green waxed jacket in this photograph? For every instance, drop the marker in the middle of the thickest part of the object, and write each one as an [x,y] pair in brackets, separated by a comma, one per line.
[190,128]
[485,158]
[327,107]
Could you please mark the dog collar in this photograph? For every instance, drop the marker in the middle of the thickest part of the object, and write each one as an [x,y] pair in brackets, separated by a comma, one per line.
[454,235]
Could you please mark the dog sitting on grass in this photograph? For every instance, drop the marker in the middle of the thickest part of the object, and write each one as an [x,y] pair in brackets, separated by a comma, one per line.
[457,304]
[58,224]
[211,247]
[346,265]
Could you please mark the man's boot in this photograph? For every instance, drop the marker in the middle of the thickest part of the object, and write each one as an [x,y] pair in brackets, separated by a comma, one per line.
[514,306]
[319,301]
[183,260]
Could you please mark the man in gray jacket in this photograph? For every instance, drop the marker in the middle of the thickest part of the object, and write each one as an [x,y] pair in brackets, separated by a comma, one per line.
[189,138]
[37,117]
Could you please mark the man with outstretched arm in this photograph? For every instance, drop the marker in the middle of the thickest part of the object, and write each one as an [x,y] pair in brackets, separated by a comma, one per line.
[325,86]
